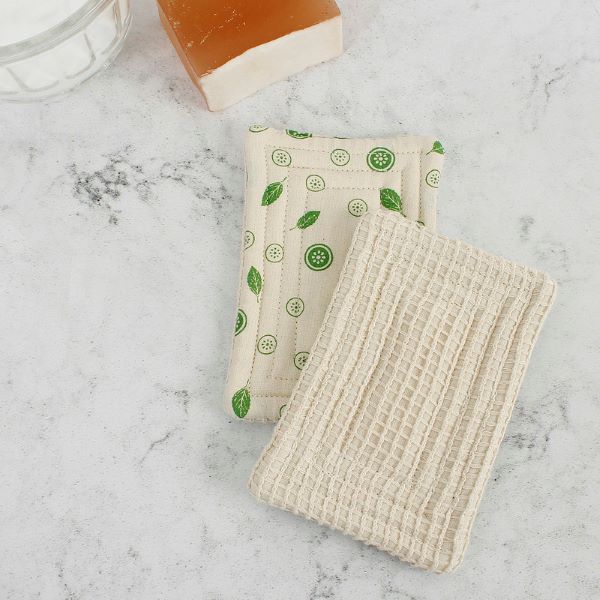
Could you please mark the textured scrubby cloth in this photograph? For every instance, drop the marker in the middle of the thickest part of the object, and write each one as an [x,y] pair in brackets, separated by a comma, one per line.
[392,430]
[305,195]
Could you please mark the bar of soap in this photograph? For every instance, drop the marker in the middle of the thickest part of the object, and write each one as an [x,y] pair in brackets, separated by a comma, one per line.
[233,49]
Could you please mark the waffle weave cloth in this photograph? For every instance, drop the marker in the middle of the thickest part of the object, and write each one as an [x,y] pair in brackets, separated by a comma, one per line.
[305,196]
[392,430]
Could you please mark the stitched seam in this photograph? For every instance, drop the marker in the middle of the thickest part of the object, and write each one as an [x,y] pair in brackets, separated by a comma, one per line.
[286,199]
[261,295]
[268,151]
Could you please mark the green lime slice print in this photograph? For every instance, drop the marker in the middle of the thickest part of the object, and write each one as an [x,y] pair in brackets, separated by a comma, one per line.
[357,207]
[241,403]
[381,159]
[294,307]
[281,158]
[257,128]
[298,135]
[274,253]
[300,360]
[266,344]
[248,239]
[433,178]
[240,321]
[282,409]
[340,157]
[315,183]
[318,257]
[437,148]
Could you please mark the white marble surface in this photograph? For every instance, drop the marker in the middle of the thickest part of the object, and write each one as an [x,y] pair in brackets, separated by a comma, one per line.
[120,217]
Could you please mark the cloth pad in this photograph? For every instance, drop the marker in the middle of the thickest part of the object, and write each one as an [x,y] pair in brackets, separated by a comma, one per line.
[305,196]
[392,430]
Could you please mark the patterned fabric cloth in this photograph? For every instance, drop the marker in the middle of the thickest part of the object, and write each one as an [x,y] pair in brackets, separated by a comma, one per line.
[392,431]
[305,196]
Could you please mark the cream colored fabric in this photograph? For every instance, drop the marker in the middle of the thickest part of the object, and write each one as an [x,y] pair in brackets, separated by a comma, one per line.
[391,433]
[304,198]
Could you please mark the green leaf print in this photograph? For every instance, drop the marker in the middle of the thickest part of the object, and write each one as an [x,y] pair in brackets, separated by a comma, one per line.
[272,192]
[390,199]
[437,148]
[241,403]
[254,281]
[307,219]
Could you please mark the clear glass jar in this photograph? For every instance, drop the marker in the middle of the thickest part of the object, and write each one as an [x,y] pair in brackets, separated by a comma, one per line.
[62,57]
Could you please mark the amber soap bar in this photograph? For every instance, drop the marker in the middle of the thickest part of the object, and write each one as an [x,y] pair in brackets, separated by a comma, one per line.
[232,49]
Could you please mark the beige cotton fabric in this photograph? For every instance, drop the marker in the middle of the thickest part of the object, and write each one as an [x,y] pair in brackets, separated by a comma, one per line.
[305,196]
[392,431]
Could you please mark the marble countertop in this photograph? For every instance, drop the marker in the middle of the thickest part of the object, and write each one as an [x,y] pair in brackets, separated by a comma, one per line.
[120,219]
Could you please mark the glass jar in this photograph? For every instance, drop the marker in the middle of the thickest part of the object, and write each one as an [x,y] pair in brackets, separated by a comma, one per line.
[65,55]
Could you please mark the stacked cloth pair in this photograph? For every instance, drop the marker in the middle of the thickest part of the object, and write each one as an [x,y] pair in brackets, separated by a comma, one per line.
[392,354]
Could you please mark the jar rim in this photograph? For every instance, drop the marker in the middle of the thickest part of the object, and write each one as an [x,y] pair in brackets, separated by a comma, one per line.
[56,34]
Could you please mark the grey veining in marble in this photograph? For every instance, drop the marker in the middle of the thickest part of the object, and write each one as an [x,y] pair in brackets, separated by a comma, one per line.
[120,225]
